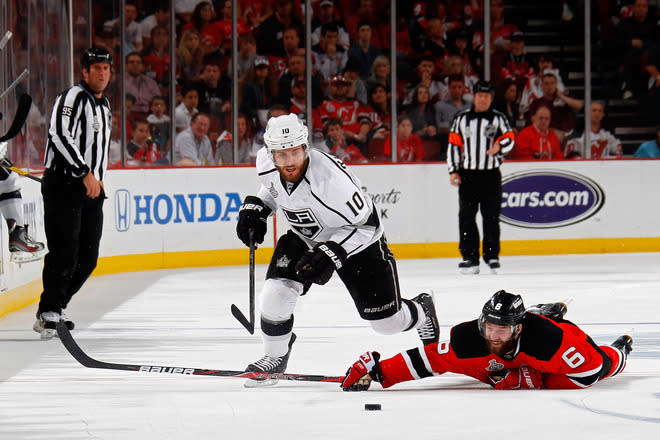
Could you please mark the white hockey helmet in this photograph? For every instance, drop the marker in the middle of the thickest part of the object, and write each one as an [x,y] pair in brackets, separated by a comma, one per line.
[284,132]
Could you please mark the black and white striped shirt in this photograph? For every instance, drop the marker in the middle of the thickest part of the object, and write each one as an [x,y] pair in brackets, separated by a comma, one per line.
[472,134]
[79,134]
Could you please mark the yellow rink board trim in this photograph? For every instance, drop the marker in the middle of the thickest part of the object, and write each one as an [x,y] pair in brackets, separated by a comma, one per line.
[27,294]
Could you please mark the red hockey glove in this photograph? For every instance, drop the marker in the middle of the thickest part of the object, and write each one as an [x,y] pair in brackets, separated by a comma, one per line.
[361,373]
[525,378]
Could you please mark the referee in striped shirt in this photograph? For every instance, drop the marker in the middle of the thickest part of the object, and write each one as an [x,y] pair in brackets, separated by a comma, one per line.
[76,159]
[477,140]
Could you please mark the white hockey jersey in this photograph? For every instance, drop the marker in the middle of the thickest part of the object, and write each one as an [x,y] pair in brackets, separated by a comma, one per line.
[327,204]
[603,145]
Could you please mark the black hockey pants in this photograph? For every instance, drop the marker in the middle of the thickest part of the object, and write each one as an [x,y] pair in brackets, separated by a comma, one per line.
[73,224]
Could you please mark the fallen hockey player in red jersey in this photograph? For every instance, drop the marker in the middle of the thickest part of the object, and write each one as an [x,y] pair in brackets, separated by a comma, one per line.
[508,347]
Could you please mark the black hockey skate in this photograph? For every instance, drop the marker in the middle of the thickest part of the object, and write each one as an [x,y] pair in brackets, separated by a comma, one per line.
[23,248]
[46,324]
[549,310]
[623,343]
[429,332]
[269,364]
[468,267]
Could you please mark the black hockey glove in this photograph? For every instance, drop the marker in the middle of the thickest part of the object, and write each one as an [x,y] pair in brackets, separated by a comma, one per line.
[318,264]
[362,372]
[252,215]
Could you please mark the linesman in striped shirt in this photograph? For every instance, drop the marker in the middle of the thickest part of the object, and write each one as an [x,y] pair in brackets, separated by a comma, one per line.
[76,160]
[477,140]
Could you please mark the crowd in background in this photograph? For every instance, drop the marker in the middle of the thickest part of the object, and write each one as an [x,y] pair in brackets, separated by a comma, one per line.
[439,57]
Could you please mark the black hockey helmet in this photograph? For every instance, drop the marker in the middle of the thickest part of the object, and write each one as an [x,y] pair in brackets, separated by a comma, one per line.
[95,55]
[483,86]
[504,308]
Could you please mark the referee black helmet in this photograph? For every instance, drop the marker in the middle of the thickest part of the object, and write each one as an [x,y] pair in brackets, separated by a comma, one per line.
[483,86]
[95,55]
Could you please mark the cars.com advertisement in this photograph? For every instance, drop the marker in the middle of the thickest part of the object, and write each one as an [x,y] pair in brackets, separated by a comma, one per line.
[549,198]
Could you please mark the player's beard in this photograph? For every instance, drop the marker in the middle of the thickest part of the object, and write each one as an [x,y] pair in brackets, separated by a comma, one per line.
[501,348]
[293,173]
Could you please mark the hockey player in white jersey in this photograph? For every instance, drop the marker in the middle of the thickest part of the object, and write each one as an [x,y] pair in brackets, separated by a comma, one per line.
[334,227]
[22,247]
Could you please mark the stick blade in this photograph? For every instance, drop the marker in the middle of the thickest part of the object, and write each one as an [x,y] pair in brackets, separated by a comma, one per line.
[22,111]
[249,326]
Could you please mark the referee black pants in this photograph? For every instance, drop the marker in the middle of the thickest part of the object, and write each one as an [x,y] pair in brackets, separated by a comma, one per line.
[73,224]
[480,190]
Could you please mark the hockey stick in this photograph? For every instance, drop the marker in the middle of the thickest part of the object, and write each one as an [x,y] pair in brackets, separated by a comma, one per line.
[24,104]
[13,85]
[78,354]
[9,167]
[249,325]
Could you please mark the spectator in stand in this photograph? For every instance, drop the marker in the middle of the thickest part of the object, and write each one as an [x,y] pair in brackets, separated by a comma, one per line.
[141,151]
[516,64]
[500,34]
[224,25]
[425,72]
[139,85]
[365,12]
[459,47]
[353,115]
[455,65]
[160,17]
[358,88]
[213,92]
[259,92]
[114,151]
[422,114]
[202,21]
[247,52]
[326,15]
[185,111]
[560,105]
[160,123]
[256,11]
[650,149]
[224,153]
[269,34]
[184,9]
[190,56]
[133,42]
[130,102]
[336,142]
[382,111]
[192,145]
[409,145]
[296,70]
[533,89]
[380,73]
[445,110]
[633,36]
[298,103]
[329,58]
[157,60]
[291,41]
[651,62]
[603,143]
[505,101]
[434,44]
[537,141]
[363,50]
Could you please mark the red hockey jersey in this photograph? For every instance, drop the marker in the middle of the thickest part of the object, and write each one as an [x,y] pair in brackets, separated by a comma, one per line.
[565,355]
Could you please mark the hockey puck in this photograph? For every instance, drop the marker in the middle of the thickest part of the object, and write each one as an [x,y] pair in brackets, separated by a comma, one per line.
[372,407]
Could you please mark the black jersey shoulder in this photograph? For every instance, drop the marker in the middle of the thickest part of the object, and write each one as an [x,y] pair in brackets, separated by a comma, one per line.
[541,337]
[466,341]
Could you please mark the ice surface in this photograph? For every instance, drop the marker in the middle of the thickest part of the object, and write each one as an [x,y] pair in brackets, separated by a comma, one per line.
[182,318]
